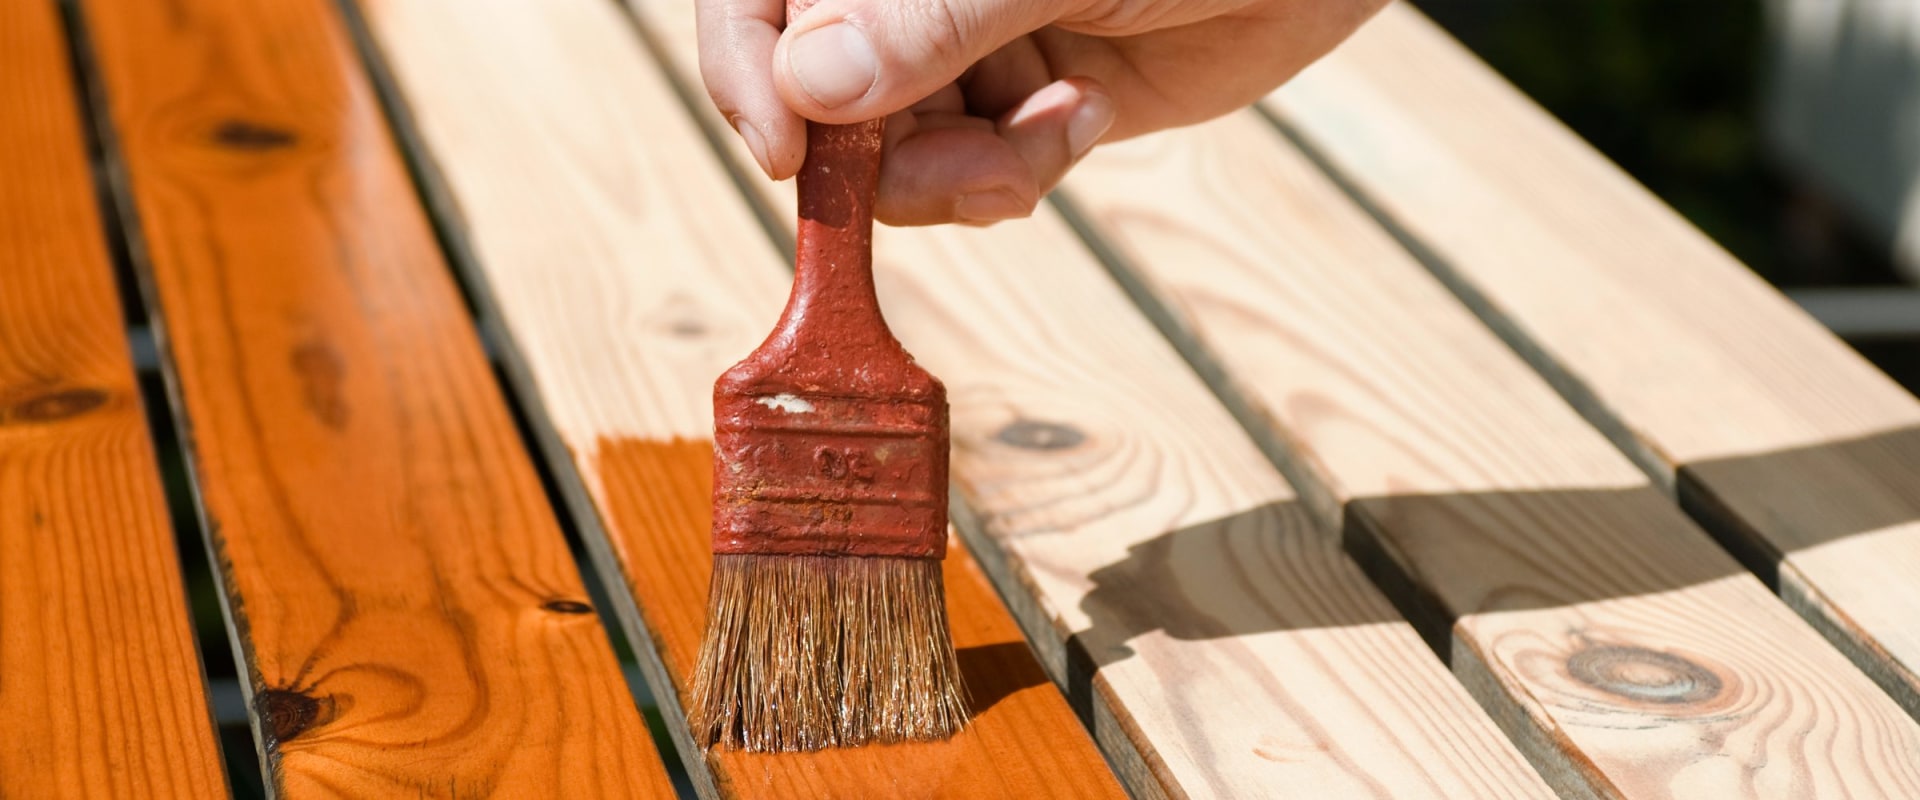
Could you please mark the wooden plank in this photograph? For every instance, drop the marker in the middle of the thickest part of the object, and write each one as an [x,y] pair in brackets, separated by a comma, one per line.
[1138,531]
[1793,449]
[1623,651]
[100,685]
[630,273]
[409,612]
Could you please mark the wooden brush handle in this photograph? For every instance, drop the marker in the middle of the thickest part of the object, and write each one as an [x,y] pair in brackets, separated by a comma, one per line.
[833,266]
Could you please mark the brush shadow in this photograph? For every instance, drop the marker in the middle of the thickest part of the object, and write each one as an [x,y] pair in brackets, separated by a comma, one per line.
[1263,570]
[994,672]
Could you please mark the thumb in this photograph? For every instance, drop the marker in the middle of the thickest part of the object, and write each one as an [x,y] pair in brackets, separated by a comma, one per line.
[851,60]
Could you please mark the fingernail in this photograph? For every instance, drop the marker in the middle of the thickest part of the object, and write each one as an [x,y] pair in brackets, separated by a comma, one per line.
[992,205]
[835,65]
[755,144]
[1088,123]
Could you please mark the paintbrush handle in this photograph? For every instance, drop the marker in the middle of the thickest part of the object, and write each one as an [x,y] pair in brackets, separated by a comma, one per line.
[833,292]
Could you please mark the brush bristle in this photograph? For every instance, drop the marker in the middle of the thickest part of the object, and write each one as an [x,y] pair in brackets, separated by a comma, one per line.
[809,652]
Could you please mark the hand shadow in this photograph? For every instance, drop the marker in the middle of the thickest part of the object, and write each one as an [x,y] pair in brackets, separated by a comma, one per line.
[1268,570]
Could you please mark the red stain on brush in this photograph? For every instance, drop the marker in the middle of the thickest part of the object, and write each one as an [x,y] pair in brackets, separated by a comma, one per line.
[829,439]
[826,624]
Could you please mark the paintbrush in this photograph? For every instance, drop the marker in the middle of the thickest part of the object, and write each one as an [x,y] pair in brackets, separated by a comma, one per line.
[827,621]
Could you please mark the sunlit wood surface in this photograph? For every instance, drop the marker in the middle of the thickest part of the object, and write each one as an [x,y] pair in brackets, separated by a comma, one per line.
[1797,452]
[1626,653]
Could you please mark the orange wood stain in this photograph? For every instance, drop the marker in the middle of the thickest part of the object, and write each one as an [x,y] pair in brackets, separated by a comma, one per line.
[407,606]
[1024,742]
[100,689]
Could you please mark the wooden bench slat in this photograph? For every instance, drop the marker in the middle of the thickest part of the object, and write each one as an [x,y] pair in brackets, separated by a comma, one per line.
[409,612]
[629,273]
[1626,653]
[1137,529]
[100,687]
[1801,455]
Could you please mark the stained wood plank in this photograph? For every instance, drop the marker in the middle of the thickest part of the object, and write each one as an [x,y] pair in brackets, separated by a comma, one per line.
[629,274]
[410,616]
[1797,452]
[1623,651]
[100,685]
[1139,532]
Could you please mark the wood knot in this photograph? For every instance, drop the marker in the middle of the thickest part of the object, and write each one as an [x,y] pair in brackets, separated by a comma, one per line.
[286,713]
[567,607]
[1032,434]
[56,406]
[240,134]
[1643,675]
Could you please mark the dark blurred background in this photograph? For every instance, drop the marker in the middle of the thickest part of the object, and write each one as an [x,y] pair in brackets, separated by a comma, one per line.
[1788,130]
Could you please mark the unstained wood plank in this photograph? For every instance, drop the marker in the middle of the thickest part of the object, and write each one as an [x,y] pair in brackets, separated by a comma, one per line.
[410,617]
[1138,531]
[1626,653]
[100,688]
[1798,453]
[629,273]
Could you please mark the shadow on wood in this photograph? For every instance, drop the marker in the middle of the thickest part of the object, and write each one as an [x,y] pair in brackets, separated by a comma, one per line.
[994,672]
[1503,552]
[1246,574]
[1870,534]
[1885,467]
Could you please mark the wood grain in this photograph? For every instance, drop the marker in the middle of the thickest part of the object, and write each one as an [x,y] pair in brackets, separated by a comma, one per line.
[1138,531]
[1778,436]
[410,616]
[1625,653]
[630,273]
[100,686]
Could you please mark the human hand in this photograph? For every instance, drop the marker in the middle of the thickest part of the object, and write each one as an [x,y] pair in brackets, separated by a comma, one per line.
[989,102]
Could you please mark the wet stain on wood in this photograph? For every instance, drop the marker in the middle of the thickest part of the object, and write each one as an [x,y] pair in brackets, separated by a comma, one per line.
[656,497]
